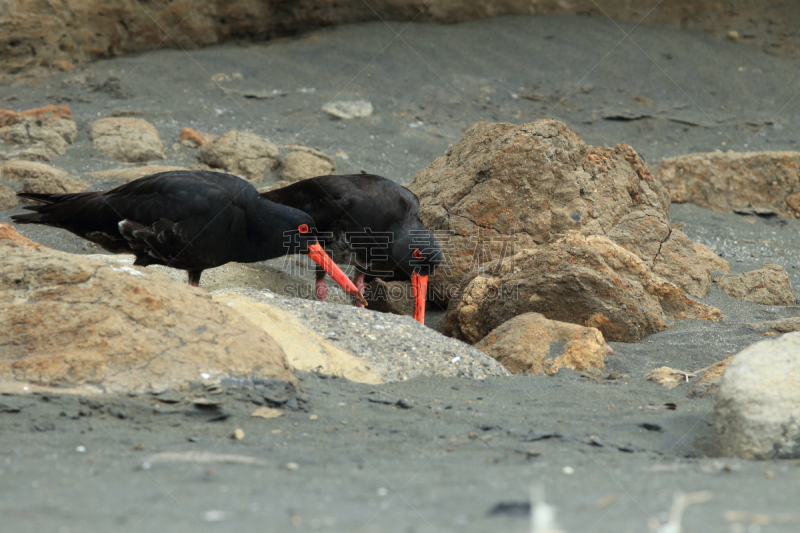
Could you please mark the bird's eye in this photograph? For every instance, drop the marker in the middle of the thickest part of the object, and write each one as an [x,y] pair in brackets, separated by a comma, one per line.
[303,228]
[417,254]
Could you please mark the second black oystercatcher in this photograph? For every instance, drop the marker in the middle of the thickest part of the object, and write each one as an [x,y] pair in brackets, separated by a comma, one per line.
[190,220]
[370,222]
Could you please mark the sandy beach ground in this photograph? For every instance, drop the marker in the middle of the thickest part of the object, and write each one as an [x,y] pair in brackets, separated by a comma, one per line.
[348,457]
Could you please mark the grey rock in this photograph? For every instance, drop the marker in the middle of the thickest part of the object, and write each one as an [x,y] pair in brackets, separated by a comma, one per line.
[757,411]
[133,140]
[348,110]
[768,285]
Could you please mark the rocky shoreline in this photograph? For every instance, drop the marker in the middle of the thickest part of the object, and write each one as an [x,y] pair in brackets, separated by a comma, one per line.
[631,298]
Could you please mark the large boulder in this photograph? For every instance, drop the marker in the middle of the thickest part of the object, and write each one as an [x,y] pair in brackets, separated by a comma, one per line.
[68,320]
[724,181]
[51,127]
[591,281]
[769,285]
[304,349]
[241,153]
[41,178]
[757,410]
[532,344]
[129,139]
[505,188]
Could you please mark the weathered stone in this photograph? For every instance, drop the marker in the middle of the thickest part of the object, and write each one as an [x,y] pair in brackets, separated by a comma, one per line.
[725,181]
[304,349]
[503,188]
[590,281]
[768,285]
[757,410]
[678,261]
[32,153]
[708,384]
[781,325]
[9,118]
[50,126]
[390,297]
[669,377]
[349,110]
[532,344]
[241,153]
[711,259]
[302,163]
[129,139]
[68,320]
[8,198]
[192,138]
[129,174]
[40,178]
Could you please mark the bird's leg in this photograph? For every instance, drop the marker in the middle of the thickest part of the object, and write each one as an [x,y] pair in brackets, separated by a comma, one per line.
[320,289]
[358,281]
[194,277]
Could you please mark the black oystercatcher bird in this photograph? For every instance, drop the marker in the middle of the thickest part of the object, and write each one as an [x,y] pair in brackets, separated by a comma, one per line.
[190,220]
[370,222]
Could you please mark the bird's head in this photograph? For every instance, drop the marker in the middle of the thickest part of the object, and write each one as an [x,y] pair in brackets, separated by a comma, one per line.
[416,252]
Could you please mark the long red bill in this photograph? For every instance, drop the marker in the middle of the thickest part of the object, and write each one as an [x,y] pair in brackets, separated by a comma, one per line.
[420,285]
[320,257]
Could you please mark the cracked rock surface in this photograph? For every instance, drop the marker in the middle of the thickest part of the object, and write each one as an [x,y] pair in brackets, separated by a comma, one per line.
[70,321]
[505,188]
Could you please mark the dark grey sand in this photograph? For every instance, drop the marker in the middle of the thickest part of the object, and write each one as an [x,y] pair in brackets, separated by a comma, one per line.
[366,463]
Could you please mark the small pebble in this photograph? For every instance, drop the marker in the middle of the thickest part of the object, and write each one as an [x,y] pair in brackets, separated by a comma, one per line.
[238,434]
[81,449]
[292,466]
[568,470]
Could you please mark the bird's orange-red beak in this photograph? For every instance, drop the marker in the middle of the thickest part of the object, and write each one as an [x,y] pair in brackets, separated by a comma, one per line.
[320,257]
[420,285]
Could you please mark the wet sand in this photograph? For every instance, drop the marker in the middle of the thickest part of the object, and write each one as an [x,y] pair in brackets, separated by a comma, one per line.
[365,463]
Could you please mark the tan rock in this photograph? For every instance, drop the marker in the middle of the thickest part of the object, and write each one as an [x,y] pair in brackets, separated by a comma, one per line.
[669,377]
[126,175]
[349,109]
[50,126]
[590,281]
[781,325]
[532,344]
[68,320]
[504,188]
[709,380]
[708,256]
[8,198]
[32,153]
[304,349]
[768,285]
[191,138]
[724,181]
[40,178]
[9,118]
[241,153]
[679,262]
[302,163]
[129,139]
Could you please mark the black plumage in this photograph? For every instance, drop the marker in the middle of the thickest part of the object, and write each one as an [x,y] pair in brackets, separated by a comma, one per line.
[367,221]
[190,220]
